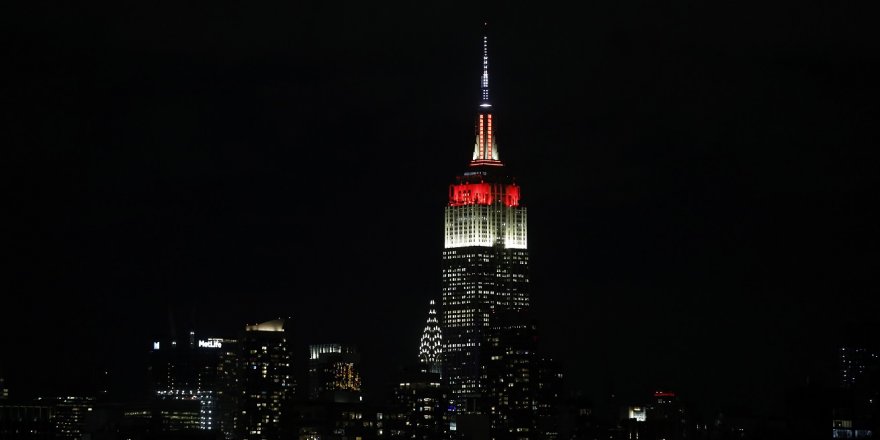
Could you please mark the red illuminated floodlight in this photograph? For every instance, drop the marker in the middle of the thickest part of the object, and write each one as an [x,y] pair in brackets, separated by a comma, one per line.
[483,194]
[488,136]
[664,394]
[511,195]
[480,154]
[470,194]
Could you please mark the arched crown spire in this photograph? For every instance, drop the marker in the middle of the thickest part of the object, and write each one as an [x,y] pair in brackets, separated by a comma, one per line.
[431,345]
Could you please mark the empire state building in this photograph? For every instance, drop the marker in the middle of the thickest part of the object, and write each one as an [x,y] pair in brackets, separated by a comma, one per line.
[485,260]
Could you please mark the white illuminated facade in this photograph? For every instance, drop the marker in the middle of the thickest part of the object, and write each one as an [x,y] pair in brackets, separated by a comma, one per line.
[486,226]
[637,413]
[316,350]
[275,325]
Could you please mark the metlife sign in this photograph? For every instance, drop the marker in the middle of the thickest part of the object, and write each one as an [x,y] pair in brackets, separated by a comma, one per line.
[211,343]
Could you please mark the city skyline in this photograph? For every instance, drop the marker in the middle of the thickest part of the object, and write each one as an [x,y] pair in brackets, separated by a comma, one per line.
[697,202]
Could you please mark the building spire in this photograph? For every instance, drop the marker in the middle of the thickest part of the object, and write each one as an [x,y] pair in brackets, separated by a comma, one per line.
[484,80]
[485,149]
[431,345]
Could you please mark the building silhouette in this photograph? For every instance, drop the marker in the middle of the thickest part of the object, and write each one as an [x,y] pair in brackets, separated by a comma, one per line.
[512,373]
[265,381]
[190,370]
[484,277]
[856,401]
[419,394]
[70,415]
[27,420]
[4,392]
[334,373]
[856,364]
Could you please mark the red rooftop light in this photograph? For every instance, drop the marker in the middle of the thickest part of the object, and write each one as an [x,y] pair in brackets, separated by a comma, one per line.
[483,194]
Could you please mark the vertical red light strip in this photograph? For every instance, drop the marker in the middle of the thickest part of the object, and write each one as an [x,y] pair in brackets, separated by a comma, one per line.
[481,140]
[489,139]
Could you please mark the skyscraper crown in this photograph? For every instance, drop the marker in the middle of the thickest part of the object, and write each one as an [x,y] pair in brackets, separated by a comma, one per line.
[431,345]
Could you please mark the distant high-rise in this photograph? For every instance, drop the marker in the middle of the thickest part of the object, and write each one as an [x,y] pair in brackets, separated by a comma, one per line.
[548,398]
[857,406]
[421,396]
[664,417]
[431,344]
[60,418]
[485,259]
[27,420]
[189,370]
[230,392]
[334,373]
[855,362]
[265,381]
[4,392]
[70,415]
[512,374]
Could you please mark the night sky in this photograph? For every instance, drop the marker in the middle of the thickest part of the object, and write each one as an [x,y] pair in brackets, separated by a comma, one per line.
[701,182]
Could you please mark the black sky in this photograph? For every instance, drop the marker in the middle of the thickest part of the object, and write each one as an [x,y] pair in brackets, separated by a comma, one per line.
[701,181]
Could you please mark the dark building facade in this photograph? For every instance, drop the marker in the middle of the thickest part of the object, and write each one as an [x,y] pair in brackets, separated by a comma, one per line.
[856,401]
[191,369]
[60,418]
[27,421]
[155,419]
[70,415]
[663,418]
[549,399]
[334,373]
[857,364]
[265,383]
[512,374]
[421,396]
[230,393]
